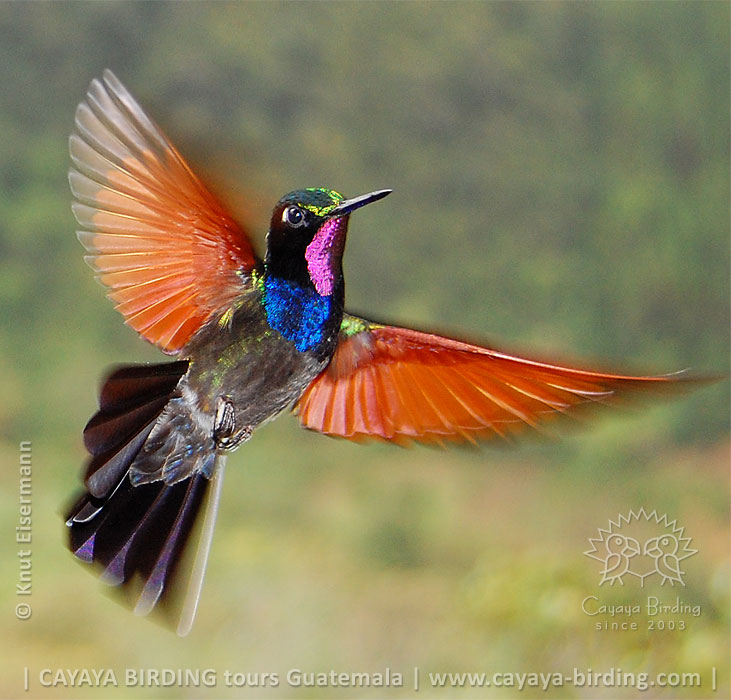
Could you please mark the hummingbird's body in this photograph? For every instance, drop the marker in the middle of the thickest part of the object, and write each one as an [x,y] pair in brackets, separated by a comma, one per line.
[248,363]
[244,368]
[252,338]
[234,382]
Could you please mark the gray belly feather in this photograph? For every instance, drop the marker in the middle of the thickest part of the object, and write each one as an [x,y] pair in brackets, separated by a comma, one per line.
[240,376]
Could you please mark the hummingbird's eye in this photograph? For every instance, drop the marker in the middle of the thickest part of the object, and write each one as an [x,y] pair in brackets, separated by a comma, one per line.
[294,216]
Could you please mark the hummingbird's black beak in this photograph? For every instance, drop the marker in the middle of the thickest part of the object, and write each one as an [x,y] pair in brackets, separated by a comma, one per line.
[350,205]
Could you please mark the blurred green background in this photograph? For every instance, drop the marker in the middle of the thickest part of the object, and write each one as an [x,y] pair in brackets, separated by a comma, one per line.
[561,177]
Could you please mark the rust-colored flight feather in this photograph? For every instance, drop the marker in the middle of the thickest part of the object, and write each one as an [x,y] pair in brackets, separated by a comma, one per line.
[403,385]
[166,248]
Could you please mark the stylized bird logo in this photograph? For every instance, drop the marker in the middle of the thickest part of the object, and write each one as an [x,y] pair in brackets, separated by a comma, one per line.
[251,337]
[664,550]
[620,550]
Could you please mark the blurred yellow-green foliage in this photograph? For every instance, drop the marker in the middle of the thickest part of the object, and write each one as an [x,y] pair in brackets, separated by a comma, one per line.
[561,177]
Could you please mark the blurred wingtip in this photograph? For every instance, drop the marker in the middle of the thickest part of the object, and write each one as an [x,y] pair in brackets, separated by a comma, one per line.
[688,378]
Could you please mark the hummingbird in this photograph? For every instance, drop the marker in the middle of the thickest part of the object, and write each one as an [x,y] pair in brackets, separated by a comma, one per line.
[251,338]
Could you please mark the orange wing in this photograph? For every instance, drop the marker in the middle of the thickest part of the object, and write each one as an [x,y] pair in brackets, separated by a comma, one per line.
[164,245]
[402,385]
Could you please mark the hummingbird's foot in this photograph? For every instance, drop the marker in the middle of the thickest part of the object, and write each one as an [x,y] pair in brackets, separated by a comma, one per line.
[226,434]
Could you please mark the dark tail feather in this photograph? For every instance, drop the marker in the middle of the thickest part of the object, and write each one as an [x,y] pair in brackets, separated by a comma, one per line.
[137,534]
[131,400]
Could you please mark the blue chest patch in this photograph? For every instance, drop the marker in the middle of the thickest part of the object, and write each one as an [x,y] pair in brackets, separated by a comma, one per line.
[298,314]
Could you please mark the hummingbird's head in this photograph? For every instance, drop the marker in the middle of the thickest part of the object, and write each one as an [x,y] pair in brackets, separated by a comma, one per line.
[307,233]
